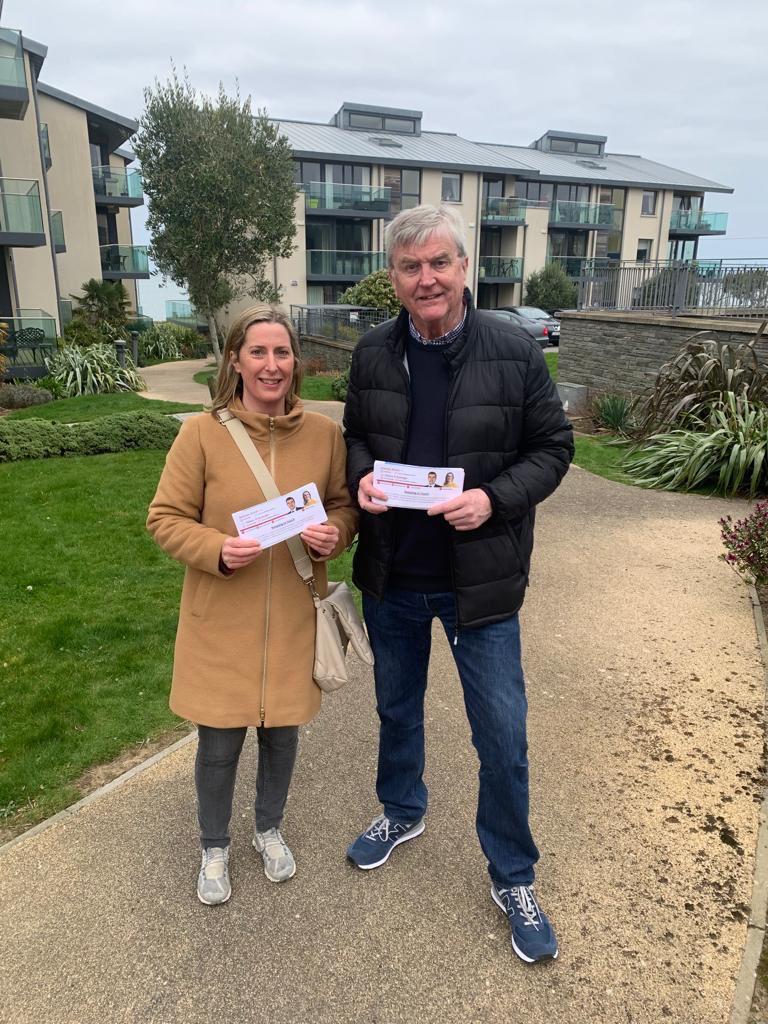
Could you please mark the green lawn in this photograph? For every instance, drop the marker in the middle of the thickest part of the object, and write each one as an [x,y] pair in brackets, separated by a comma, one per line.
[91,407]
[551,358]
[316,388]
[601,458]
[88,609]
[203,376]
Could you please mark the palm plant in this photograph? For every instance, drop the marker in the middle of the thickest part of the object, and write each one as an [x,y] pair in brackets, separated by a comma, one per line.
[103,305]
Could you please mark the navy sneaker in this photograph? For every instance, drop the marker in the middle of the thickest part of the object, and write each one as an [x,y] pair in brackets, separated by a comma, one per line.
[373,847]
[532,936]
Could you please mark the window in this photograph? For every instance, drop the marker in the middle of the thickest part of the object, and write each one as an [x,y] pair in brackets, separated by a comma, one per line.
[399,124]
[562,146]
[406,188]
[592,148]
[493,188]
[365,121]
[451,188]
[540,191]
[649,204]
[644,249]
[306,171]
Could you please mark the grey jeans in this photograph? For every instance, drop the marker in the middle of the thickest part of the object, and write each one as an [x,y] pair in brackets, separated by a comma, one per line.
[218,751]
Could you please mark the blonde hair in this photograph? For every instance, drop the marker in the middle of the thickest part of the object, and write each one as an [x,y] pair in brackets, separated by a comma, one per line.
[229,384]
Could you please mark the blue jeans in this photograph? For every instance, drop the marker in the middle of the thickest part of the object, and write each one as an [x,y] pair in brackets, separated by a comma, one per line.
[488,661]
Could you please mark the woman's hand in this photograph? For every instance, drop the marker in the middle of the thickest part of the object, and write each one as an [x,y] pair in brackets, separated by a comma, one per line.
[237,552]
[321,539]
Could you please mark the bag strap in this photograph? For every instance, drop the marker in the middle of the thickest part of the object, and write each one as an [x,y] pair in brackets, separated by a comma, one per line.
[256,464]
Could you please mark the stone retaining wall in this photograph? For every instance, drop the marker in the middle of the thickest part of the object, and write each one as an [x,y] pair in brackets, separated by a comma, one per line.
[620,353]
[334,355]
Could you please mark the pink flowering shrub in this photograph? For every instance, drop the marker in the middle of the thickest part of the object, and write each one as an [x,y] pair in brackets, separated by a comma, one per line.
[746,544]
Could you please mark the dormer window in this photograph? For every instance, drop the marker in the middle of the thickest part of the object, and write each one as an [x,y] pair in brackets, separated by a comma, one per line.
[364,118]
[380,122]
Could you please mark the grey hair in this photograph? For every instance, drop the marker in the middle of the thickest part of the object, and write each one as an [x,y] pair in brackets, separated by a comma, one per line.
[416,226]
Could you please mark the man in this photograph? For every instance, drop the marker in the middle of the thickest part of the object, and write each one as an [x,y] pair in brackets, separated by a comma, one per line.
[291,503]
[445,384]
[432,479]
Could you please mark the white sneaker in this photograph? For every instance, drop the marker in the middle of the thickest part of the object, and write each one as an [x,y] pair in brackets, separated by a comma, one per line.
[213,881]
[279,864]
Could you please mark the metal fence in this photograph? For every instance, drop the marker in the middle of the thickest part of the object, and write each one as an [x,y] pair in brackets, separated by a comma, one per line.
[698,287]
[336,323]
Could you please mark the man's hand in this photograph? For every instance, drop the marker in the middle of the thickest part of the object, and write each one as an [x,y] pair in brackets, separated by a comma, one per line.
[237,552]
[366,491]
[467,511]
[321,539]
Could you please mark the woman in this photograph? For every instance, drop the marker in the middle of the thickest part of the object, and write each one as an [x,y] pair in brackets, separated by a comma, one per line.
[245,642]
[306,497]
[450,482]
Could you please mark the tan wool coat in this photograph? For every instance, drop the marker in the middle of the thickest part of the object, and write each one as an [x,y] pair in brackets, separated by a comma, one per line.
[245,642]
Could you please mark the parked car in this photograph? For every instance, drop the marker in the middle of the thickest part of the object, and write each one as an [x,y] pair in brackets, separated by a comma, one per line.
[536,315]
[536,328]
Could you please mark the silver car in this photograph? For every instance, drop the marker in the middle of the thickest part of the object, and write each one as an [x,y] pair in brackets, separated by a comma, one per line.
[536,329]
[538,316]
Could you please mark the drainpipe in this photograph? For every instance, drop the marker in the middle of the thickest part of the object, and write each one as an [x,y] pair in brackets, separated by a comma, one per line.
[57,313]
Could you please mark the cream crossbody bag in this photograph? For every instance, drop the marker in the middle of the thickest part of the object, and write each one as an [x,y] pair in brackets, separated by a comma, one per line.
[338,621]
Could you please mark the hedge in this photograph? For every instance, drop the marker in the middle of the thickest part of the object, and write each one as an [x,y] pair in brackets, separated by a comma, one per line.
[43,439]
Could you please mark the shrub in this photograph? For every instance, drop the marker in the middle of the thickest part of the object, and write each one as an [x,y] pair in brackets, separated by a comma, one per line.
[693,384]
[49,383]
[93,371]
[44,439]
[729,452]
[375,291]
[614,412]
[21,396]
[168,341]
[746,545]
[315,365]
[339,386]
[79,332]
[550,289]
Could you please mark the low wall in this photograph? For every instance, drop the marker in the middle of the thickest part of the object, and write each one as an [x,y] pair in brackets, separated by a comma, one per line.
[622,353]
[334,355]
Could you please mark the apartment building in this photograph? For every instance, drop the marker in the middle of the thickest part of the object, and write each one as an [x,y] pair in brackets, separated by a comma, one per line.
[66,190]
[562,198]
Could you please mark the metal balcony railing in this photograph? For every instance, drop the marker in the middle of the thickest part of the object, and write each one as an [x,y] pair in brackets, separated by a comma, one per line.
[124,261]
[509,209]
[698,222]
[20,208]
[588,215]
[112,183]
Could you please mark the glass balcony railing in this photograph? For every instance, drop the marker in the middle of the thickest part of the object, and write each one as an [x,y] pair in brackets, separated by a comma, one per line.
[40,325]
[698,222]
[335,263]
[508,209]
[20,208]
[329,195]
[500,267]
[111,183]
[124,261]
[588,215]
[46,144]
[57,231]
[11,58]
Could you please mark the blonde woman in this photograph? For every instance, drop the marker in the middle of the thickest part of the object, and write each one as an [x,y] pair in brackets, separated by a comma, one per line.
[245,641]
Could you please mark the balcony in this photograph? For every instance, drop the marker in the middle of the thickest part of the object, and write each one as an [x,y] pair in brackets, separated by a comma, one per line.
[45,142]
[14,95]
[31,338]
[328,197]
[21,213]
[124,262]
[115,187]
[581,215]
[697,222]
[581,266]
[336,265]
[508,210]
[500,269]
[57,231]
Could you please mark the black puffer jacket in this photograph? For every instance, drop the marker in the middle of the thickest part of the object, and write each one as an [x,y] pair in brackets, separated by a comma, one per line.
[505,427]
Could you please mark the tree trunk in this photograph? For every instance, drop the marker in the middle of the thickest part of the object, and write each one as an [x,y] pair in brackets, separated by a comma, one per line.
[214,336]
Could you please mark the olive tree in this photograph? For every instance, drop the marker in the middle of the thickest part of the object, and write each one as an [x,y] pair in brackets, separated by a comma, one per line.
[219,181]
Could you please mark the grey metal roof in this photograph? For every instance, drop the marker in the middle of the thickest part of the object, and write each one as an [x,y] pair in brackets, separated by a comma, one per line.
[451,152]
[430,149]
[610,169]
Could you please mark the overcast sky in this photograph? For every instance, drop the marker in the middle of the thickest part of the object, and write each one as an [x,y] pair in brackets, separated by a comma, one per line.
[683,82]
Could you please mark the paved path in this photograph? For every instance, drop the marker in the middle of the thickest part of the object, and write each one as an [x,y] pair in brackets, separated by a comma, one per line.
[646,711]
[173,382]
